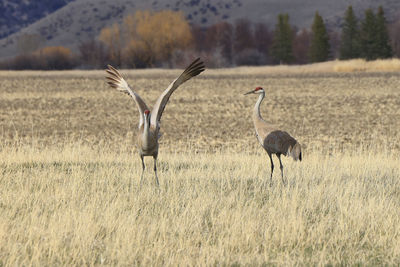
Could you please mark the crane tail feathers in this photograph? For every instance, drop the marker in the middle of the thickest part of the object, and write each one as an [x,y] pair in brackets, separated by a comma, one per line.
[295,152]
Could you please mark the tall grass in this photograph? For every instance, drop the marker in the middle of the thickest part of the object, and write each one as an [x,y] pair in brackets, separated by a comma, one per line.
[361,65]
[82,206]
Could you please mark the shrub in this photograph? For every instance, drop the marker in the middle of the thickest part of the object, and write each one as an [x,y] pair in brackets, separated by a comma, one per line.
[48,58]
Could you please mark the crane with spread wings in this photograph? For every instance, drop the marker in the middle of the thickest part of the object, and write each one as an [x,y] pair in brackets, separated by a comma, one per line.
[149,121]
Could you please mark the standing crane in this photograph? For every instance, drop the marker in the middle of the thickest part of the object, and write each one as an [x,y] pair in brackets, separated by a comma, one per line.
[274,141]
[149,121]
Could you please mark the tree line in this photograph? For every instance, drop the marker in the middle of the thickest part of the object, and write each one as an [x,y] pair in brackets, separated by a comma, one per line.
[165,38]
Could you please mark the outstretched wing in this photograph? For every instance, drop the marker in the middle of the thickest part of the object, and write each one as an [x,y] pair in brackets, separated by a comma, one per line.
[115,80]
[192,70]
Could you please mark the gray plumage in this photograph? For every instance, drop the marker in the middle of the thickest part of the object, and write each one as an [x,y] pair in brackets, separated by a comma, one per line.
[273,140]
[149,121]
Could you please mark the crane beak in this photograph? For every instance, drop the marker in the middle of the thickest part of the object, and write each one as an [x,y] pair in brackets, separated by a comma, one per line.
[252,91]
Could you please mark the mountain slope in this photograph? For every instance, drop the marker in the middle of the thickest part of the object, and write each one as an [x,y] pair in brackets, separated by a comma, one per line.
[80,20]
[16,14]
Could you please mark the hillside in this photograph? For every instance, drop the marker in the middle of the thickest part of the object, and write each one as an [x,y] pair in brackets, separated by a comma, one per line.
[17,14]
[80,20]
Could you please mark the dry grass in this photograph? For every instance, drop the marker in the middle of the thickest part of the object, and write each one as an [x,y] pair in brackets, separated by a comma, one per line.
[72,206]
[67,161]
[346,66]
[360,65]
[355,65]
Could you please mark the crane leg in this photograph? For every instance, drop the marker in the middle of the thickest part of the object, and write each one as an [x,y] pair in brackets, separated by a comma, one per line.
[143,167]
[281,167]
[272,167]
[155,169]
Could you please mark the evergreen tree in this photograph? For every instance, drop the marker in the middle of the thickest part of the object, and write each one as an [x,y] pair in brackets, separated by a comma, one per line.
[319,48]
[369,46]
[282,50]
[382,37]
[350,41]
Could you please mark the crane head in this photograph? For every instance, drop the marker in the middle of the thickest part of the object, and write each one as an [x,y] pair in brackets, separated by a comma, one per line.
[258,90]
[146,114]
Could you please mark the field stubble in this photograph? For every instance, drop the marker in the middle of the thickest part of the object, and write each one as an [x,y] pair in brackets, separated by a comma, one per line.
[210,113]
[68,159]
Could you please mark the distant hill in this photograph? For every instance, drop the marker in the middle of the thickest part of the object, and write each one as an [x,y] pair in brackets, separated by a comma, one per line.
[17,14]
[69,23]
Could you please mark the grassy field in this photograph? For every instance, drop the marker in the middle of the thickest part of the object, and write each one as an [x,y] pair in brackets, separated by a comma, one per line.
[69,171]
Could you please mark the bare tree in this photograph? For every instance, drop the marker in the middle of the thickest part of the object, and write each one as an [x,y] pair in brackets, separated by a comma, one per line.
[244,38]
[219,40]
[263,40]
[92,54]
[301,46]
[394,32]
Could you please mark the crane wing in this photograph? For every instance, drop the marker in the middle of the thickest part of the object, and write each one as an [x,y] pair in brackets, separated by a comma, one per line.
[115,80]
[194,69]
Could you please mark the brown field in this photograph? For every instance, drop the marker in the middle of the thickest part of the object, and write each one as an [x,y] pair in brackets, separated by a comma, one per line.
[67,159]
[329,111]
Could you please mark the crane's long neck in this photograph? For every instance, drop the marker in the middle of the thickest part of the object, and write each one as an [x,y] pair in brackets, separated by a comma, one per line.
[256,112]
[146,134]
[146,126]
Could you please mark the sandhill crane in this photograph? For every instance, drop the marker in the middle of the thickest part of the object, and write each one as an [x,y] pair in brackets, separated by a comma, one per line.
[149,122]
[274,141]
